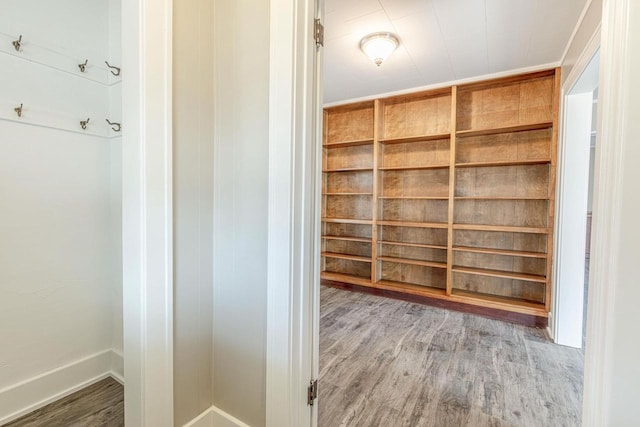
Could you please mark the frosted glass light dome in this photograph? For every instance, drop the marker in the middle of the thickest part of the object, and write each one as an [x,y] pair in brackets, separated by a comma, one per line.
[379,46]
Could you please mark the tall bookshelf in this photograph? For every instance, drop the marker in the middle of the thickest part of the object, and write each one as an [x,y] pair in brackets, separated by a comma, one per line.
[446,194]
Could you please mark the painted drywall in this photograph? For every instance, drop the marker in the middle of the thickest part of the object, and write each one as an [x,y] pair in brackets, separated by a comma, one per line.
[59,196]
[241,40]
[624,380]
[193,207]
[587,27]
[115,115]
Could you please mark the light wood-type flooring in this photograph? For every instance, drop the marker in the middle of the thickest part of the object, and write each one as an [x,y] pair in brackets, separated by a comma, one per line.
[99,405]
[392,363]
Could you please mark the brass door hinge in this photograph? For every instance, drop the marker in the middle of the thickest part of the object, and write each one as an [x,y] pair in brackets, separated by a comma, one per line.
[318,33]
[312,392]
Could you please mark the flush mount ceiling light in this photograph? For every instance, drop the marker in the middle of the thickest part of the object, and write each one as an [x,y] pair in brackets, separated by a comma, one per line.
[378,46]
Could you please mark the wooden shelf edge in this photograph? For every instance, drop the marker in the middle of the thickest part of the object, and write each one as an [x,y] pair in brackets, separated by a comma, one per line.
[345,278]
[347,194]
[505,252]
[347,238]
[413,245]
[410,288]
[410,168]
[500,274]
[347,170]
[501,303]
[352,143]
[348,221]
[413,262]
[414,198]
[419,138]
[414,224]
[504,129]
[499,198]
[503,163]
[501,228]
[345,256]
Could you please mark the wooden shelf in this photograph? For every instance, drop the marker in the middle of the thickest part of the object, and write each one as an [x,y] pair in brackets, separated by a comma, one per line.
[347,194]
[347,239]
[345,278]
[413,198]
[503,163]
[414,224]
[499,198]
[471,158]
[499,302]
[353,143]
[348,220]
[347,170]
[409,168]
[505,252]
[505,129]
[413,262]
[410,288]
[423,138]
[501,274]
[503,228]
[412,245]
[346,256]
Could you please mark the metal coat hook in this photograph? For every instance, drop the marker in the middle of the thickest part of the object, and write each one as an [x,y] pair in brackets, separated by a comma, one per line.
[116,126]
[18,110]
[83,67]
[84,123]
[17,43]
[117,72]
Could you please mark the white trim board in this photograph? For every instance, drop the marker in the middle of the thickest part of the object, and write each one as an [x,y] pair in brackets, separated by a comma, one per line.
[147,211]
[34,393]
[215,417]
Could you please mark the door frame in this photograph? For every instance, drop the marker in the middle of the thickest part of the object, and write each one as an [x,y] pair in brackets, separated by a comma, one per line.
[147,212]
[607,209]
[292,241]
[565,324]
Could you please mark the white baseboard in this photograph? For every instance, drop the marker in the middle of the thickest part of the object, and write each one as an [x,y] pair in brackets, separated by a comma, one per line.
[215,417]
[27,396]
[117,366]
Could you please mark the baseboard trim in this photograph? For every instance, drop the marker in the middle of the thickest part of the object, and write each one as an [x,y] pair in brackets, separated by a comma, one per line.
[27,396]
[117,366]
[215,417]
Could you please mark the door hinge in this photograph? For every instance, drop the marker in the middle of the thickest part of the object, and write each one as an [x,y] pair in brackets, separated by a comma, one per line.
[318,32]
[312,392]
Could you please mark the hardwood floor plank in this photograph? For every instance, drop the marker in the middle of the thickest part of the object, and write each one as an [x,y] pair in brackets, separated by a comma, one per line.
[393,363]
[100,404]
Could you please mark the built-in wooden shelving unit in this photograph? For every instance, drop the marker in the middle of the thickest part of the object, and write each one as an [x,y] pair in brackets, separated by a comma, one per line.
[447,194]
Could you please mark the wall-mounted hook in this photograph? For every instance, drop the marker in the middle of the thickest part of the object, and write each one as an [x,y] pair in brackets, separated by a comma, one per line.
[84,123]
[18,110]
[116,126]
[115,73]
[17,43]
[83,67]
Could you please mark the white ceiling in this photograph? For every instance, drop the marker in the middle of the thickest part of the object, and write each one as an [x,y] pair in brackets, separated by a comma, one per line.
[440,41]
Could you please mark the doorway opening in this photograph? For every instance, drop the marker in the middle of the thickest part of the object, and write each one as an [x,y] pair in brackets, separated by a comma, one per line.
[575,195]
[436,241]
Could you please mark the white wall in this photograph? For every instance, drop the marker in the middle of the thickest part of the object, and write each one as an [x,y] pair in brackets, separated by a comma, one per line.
[623,366]
[59,196]
[591,18]
[193,207]
[241,35]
